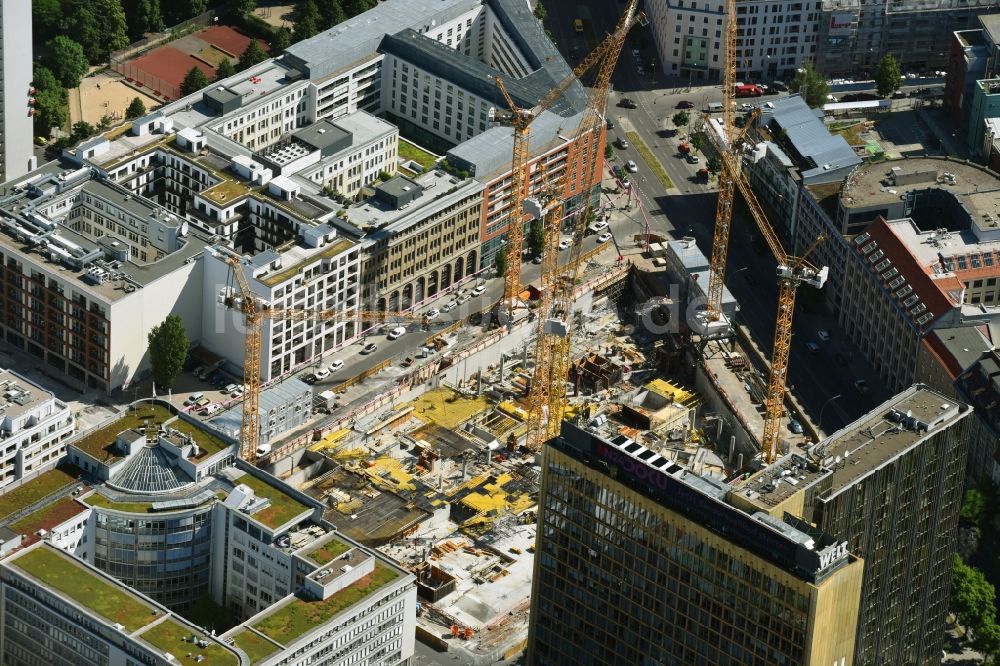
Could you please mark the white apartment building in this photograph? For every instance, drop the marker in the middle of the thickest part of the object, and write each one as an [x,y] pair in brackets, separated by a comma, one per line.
[16,114]
[323,274]
[775,37]
[34,426]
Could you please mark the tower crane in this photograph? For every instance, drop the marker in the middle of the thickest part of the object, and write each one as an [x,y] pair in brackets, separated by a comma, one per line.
[553,333]
[520,120]
[255,310]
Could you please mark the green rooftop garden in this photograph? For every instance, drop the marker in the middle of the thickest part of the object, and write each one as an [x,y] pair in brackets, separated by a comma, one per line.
[63,574]
[328,552]
[282,508]
[37,489]
[48,516]
[330,251]
[299,616]
[172,636]
[207,442]
[256,646]
[408,151]
[226,192]
[99,500]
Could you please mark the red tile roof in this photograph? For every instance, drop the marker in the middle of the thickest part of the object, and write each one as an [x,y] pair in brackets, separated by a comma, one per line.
[931,292]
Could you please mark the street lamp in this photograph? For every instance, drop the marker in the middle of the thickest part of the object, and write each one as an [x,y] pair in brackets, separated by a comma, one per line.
[823,408]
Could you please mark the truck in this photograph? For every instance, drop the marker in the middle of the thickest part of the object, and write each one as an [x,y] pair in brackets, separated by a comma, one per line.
[749,90]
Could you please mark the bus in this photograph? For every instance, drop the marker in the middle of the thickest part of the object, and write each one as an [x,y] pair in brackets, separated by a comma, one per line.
[749,90]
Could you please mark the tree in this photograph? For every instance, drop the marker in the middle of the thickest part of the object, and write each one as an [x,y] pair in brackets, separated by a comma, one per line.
[307,21]
[168,348]
[83,130]
[51,110]
[136,109]
[66,60]
[540,12]
[979,503]
[681,119]
[46,17]
[240,9]
[176,11]
[698,141]
[714,165]
[224,69]
[811,84]
[43,79]
[193,81]
[330,13]
[887,76]
[972,596]
[986,640]
[112,26]
[609,152]
[501,262]
[355,7]
[252,55]
[282,40]
[536,238]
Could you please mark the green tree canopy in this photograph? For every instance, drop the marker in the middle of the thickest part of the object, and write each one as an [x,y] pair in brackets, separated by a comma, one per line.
[240,9]
[282,40]
[142,16]
[175,11]
[697,141]
[330,13]
[714,164]
[972,596]
[307,21]
[136,109]
[681,119]
[501,262]
[887,76]
[252,55]
[355,7]
[536,238]
[43,79]
[811,84]
[168,348]
[83,130]
[193,81]
[225,69]
[51,110]
[46,17]
[540,12]
[66,60]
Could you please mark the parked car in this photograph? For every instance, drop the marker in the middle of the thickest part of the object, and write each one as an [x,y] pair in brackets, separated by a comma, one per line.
[537,260]
[823,335]
[211,410]
[193,398]
[685,104]
[478,291]
[604,238]
[794,426]
[692,159]
[369,348]
[598,226]
[321,374]
[432,313]
[627,103]
[202,402]
[230,388]
[564,243]
[610,124]
[449,306]
[396,333]
[812,347]
[862,386]
[779,85]
[336,365]
[237,392]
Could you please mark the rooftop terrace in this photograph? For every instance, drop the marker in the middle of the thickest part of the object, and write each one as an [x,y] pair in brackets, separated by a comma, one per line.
[95,592]
[37,489]
[282,508]
[296,616]
[173,637]
[286,273]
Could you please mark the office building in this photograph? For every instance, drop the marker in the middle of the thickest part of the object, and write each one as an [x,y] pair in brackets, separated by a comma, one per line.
[640,561]
[169,520]
[853,35]
[979,384]
[890,485]
[973,57]
[284,406]
[34,427]
[17,156]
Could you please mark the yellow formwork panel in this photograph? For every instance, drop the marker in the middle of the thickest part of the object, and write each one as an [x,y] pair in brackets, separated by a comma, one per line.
[674,392]
[447,408]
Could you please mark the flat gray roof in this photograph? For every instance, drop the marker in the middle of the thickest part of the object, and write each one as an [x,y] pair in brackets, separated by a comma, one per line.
[337,48]
[820,151]
[230,422]
[439,192]
[991,26]
[322,134]
[876,439]
[136,204]
[18,394]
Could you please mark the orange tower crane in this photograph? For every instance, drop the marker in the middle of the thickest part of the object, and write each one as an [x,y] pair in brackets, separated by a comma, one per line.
[520,120]
[255,311]
[553,334]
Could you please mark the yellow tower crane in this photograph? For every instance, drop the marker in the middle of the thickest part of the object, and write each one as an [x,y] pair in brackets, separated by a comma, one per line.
[255,311]
[553,339]
[520,120]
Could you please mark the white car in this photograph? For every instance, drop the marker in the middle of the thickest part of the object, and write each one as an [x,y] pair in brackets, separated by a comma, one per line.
[237,392]
[449,306]
[336,365]
[397,333]
[433,312]
[479,290]
[598,227]
[746,107]
[564,243]
[230,388]
[321,374]
[369,348]
[823,335]
[631,167]
[604,238]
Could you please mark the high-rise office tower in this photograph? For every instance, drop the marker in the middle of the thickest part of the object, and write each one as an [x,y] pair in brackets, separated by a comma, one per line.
[890,485]
[16,129]
[642,562]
